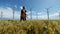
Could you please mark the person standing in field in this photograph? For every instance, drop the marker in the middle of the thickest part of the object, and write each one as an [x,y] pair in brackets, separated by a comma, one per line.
[23,14]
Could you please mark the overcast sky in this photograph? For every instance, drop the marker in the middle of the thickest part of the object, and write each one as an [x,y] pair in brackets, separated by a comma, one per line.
[37,6]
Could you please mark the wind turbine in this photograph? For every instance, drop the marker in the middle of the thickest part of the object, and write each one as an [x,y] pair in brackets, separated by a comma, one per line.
[13,13]
[48,12]
[30,11]
[14,8]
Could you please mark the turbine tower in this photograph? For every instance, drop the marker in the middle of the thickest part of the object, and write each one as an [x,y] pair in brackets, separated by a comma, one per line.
[13,13]
[59,15]
[31,14]
[36,15]
[1,14]
[48,13]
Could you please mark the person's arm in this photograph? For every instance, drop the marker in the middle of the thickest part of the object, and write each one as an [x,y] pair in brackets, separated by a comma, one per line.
[26,14]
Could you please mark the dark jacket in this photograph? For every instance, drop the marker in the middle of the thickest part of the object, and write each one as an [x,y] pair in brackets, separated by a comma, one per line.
[23,13]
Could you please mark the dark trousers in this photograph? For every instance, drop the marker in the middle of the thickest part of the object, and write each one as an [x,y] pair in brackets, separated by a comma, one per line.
[23,19]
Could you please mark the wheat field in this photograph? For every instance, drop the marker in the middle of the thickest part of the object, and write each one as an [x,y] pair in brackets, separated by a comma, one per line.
[30,27]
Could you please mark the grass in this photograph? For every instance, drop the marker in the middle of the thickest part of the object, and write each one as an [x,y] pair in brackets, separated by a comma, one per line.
[30,27]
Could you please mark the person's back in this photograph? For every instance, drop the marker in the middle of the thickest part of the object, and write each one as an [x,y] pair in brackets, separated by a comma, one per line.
[23,14]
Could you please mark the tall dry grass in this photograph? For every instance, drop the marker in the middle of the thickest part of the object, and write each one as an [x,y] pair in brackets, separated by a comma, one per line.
[29,27]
